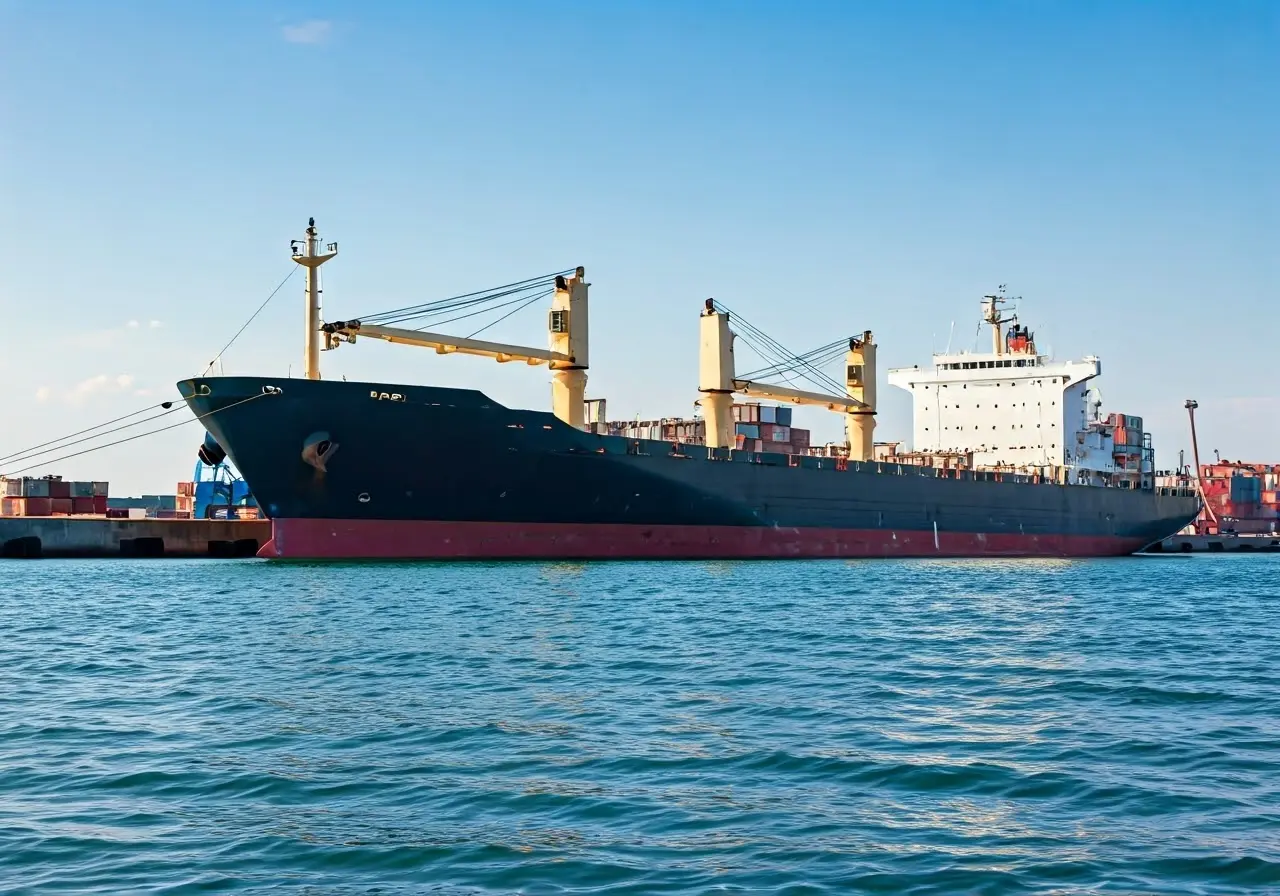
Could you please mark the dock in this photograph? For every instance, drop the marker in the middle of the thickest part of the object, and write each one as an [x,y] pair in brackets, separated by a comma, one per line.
[101,537]
[1211,544]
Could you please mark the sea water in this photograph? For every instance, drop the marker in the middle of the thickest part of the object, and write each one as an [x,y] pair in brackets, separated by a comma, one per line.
[772,727]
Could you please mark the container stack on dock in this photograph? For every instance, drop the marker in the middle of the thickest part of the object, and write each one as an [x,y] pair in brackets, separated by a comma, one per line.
[52,496]
[1242,496]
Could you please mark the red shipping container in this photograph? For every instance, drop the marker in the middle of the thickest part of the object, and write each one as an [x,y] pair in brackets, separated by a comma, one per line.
[117,513]
[800,437]
[60,506]
[99,504]
[82,505]
[37,506]
[59,488]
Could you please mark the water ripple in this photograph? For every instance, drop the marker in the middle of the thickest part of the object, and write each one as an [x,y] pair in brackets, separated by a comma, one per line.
[824,727]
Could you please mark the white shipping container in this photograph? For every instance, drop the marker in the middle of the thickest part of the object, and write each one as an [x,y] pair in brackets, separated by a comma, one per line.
[11,488]
[137,513]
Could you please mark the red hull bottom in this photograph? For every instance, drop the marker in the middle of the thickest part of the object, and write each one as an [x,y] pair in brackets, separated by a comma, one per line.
[428,540]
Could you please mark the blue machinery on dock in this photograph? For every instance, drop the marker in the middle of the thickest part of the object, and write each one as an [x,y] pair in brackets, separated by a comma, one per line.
[218,488]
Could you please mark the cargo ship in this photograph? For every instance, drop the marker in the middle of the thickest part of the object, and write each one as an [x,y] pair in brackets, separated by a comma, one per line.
[1011,455]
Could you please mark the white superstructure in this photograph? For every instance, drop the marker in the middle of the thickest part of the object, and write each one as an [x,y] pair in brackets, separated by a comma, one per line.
[1015,409]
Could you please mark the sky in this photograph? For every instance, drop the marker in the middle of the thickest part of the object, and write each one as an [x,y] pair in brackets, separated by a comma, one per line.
[821,168]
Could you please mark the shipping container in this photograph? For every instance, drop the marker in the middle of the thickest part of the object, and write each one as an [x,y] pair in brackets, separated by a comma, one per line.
[784,415]
[750,412]
[1246,489]
[99,504]
[61,506]
[59,489]
[772,432]
[24,506]
[100,489]
[799,438]
[82,489]
[35,488]
[137,513]
[750,430]
[768,413]
[11,488]
[82,506]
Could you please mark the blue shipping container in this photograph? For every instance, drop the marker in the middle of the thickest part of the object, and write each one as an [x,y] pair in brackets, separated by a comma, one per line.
[750,430]
[1246,489]
[784,416]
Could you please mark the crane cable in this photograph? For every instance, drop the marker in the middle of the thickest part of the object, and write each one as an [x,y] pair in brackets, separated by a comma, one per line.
[541,295]
[455,303]
[818,357]
[777,352]
[141,435]
[249,321]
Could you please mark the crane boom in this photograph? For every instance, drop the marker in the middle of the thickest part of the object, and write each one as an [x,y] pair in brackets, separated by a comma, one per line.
[798,396]
[447,345]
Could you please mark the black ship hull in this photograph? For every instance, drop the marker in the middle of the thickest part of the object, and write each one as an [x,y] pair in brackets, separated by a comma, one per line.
[359,470]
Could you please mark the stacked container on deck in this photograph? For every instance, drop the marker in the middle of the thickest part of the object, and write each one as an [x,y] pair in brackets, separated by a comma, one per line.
[757,428]
[766,427]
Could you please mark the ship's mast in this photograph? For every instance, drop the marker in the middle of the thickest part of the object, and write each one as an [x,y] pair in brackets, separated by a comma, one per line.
[311,258]
[991,314]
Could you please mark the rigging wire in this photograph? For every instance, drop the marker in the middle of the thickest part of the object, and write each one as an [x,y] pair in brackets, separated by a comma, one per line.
[772,350]
[249,321]
[457,302]
[541,295]
[58,442]
[141,435]
[441,323]
[22,456]
[818,357]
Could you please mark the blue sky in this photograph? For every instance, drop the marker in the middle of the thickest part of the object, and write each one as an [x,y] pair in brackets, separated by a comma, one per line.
[821,167]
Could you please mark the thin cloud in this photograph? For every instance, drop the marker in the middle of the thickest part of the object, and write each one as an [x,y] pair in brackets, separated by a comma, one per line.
[155,325]
[93,387]
[314,31]
[43,393]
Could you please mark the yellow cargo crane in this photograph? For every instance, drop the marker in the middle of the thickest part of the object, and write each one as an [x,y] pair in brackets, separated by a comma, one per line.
[718,383]
[566,355]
